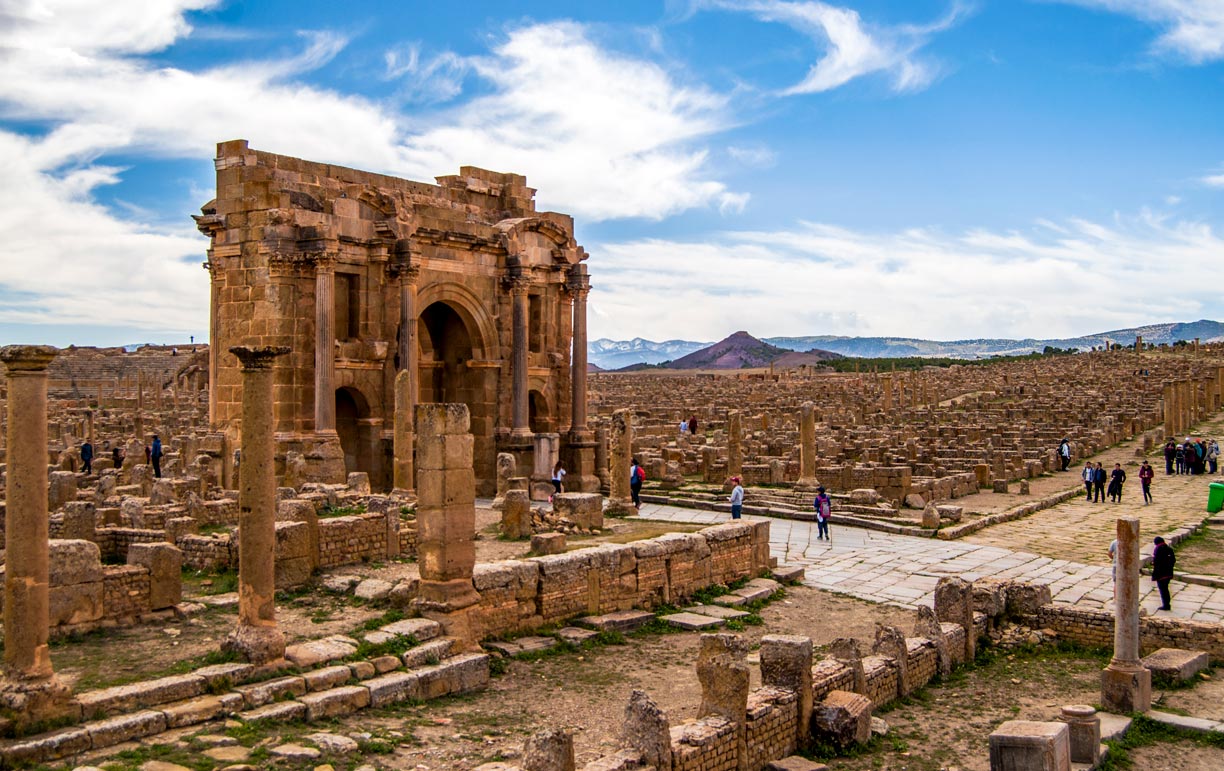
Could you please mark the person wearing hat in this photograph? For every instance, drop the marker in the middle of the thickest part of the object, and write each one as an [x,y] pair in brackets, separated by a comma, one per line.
[823,510]
[1163,560]
[737,498]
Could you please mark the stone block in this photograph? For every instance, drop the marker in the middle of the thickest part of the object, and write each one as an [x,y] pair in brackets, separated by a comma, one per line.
[327,677]
[842,718]
[268,691]
[1026,745]
[137,725]
[46,747]
[548,543]
[315,652]
[618,621]
[336,702]
[795,763]
[1175,664]
[122,698]
[165,565]
[692,621]
[75,603]
[74,562]
[583,509]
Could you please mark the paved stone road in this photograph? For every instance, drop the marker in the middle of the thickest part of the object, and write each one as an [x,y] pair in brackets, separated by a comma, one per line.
[903,570]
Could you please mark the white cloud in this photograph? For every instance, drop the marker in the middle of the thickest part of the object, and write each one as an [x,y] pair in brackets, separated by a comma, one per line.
[600,135]
[1214,180]
[1053,280]
[1194,29]
[67,260]
[437,79]
[851,48]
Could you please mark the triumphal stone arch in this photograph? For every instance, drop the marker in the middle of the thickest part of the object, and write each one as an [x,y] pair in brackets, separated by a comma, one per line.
[462,284]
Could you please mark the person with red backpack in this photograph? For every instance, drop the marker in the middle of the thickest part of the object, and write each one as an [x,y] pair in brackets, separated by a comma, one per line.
[823,507]
[637,475]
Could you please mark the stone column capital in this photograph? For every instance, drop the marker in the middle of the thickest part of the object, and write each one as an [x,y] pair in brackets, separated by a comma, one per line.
[408,273]
[324,262]
[258,357]
[518,285]
[27,358]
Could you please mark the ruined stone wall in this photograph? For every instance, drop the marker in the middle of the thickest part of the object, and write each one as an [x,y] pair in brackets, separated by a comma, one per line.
[348,540]
[708,744]
[518,595]
[126,590]
[772,714]
[1095,628]
[208,553]
[114,541]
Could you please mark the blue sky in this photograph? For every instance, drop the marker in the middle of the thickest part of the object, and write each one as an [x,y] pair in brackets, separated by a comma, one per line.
[944,169]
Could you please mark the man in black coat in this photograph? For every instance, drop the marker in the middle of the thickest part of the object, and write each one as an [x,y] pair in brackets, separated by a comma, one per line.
[1163,560]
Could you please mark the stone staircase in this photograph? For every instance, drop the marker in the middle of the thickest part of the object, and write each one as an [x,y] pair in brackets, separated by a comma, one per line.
[318,679]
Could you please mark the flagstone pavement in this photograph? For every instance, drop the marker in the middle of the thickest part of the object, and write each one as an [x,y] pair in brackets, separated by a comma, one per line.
[903,570]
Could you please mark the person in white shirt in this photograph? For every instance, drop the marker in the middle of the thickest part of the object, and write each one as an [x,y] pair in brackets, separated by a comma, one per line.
[558,476]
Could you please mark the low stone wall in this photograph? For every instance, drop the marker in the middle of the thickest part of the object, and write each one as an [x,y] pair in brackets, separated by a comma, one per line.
[770,725]
[348,540]
[125,592]
[520,595]
[1095,628]
[208,553]
[114,541]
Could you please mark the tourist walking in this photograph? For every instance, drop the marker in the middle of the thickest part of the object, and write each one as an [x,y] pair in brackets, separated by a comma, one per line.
[117,457]
[692,425]
[1146,473]
[155,454]
[637,475]
[1116,478]
[823,507]
[558,476]
[1170,454]
[87,458]
[1064,453]
[1098,484]
[1163,560]
[737,498]
[684,429]
[1213,457]
[1088,475]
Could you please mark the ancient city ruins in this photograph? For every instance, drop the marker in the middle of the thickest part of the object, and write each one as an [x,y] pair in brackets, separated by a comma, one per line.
[393,371]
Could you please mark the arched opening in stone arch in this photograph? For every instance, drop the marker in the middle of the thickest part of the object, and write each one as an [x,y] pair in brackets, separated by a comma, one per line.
[356,434]
[540,417]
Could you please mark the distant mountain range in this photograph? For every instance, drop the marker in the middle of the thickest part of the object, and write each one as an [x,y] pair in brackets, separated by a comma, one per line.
[614,354]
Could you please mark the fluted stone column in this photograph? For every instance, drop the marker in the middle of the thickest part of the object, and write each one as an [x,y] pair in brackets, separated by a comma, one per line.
[735,452]
[1126,685]
[325,346]
[807,445]
[29,688]
[404,479]
[580,442]
[620,501]
[520,428]
[257,637]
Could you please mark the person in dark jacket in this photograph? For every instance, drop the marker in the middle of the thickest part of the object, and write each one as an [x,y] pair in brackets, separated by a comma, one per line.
[87,458]
[1170,453]
[1146,472]
[1163,560]
[1098,484]
[1116,478]
[117,457]
[155,454]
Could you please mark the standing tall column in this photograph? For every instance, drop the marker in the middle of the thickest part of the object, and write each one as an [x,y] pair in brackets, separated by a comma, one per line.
[215,275]
[580,287]
[807,445]
[735,453]
[581,445]
[446,519]
[520,429]
[1126,685]
[1167,406]
[325,346]
[257,637]
[29,688]
[406,382]
[620,501]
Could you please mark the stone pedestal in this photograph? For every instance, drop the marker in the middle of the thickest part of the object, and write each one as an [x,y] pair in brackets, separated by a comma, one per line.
[446,519]
[1126,685]
[1085,733]
[1026,745]
[257,637]
[29,688]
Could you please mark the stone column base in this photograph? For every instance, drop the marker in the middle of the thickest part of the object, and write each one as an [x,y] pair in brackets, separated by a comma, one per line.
[256,644]
[620,507]
[37,701]
[1126,688]
[453,604]
[807,484]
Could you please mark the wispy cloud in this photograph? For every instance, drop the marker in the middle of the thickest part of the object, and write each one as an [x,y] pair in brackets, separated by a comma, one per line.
[1193,29]
[1214,180]
[1052,280]
[851,47]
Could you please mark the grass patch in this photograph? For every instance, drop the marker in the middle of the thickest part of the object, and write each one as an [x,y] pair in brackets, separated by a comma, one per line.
[1145,732]
[331,512]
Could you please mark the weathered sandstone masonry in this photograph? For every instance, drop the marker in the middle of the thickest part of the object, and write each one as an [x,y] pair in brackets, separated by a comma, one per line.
[462,285]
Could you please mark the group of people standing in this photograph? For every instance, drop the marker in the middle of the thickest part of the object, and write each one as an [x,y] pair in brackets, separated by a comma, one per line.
[689,426]
[153,456]
[1193,456]
[1095,477]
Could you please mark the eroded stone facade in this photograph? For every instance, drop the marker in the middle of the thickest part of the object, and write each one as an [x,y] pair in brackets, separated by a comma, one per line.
[462,283]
